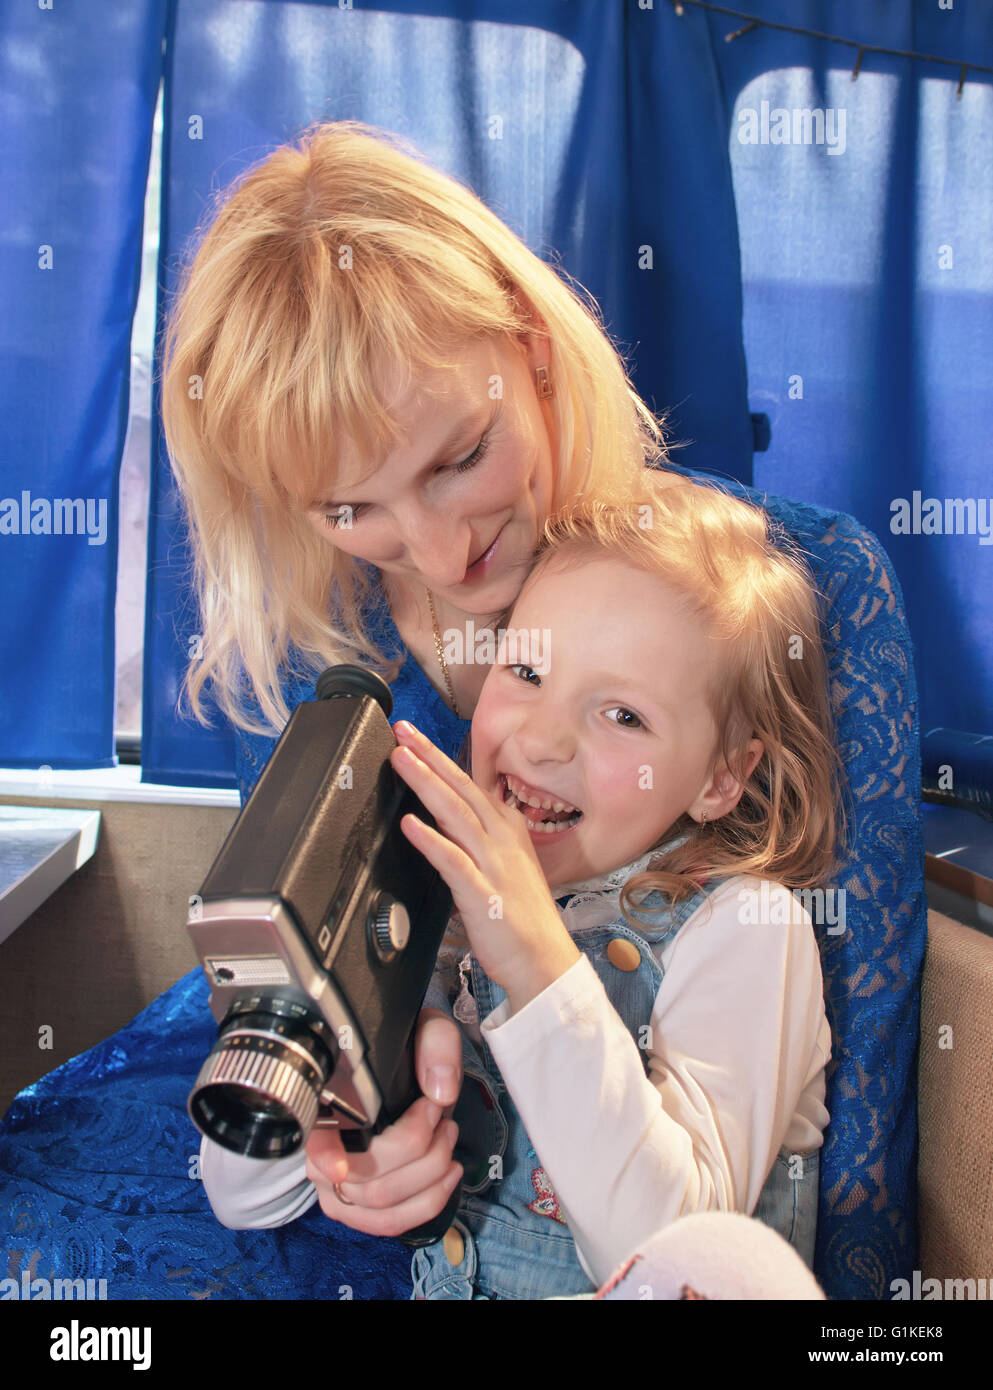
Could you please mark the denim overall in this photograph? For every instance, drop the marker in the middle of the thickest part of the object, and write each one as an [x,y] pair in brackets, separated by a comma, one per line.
[514,1240]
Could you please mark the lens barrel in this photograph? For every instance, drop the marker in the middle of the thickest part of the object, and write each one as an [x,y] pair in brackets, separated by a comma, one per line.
[258,1092]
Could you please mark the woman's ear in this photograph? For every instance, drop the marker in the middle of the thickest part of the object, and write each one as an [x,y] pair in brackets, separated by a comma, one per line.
[534,345]
[724,790]
[534,339]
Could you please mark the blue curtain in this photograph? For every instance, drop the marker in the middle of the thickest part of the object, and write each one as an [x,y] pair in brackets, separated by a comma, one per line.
[867,267]
[638,145]
[583,92]
[814,312]
[78,84]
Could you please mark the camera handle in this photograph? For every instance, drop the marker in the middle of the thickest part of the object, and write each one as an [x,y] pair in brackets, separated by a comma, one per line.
[403,1092]
[347,681]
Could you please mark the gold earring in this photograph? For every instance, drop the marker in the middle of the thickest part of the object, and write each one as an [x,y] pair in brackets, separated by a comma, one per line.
[544,385]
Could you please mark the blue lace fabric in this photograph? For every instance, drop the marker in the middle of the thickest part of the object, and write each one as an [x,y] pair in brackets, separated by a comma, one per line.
[98,1159]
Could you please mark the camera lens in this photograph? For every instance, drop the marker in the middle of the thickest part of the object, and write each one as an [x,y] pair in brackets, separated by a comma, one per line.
[258,1092]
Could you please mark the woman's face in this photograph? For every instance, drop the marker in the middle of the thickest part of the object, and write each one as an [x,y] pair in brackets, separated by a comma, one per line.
[618,723]
[476,470]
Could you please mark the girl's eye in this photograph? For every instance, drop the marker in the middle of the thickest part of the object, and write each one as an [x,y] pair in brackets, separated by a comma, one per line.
[345,516]
[631,721]
[620,709]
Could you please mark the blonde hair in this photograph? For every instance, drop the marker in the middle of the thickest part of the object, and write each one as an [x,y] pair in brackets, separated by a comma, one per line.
[334,260]
[753,591]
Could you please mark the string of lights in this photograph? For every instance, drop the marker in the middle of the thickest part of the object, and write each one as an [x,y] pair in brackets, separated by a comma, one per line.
[756,22]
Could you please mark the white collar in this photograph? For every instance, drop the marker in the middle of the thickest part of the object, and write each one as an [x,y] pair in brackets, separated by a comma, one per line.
[595,901]
[606,883]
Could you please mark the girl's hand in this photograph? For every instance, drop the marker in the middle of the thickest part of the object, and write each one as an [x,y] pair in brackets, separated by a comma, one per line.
[488,861]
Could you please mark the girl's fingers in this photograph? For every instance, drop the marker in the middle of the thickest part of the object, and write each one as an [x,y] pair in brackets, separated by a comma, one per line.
[455,866]
[442,766]
[454,815]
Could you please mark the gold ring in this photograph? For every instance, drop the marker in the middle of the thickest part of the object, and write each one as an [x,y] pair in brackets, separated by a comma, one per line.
[343,1200]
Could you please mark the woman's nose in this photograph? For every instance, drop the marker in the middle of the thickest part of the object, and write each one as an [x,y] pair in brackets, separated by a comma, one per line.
[435,548]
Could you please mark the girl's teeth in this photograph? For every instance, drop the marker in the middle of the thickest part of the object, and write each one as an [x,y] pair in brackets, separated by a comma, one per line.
[541,805]
[545,827]
[549,828]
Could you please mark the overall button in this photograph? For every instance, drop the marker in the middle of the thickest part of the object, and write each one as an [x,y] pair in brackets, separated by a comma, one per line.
[623,954]
[453,1246]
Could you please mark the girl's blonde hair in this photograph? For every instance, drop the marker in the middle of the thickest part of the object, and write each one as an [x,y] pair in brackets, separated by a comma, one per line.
[336,260]
[754,593]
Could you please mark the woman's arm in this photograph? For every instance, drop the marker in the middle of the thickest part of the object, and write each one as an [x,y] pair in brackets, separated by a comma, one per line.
[255,1193]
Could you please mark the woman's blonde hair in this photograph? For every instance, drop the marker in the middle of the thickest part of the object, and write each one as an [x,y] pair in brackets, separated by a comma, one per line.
[752,590]
[336,260]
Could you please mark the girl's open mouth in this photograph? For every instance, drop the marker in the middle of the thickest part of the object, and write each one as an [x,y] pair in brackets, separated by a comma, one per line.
[541,820]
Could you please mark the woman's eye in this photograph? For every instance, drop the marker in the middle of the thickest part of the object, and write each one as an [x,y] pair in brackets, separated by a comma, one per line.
[345,516]
[529,669]
[340,520]
[475,457]
[619,709]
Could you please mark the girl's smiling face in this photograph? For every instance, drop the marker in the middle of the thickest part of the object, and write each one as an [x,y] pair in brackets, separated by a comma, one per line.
[619,724]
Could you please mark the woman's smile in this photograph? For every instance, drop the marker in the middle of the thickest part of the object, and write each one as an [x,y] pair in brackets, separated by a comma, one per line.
[480,568]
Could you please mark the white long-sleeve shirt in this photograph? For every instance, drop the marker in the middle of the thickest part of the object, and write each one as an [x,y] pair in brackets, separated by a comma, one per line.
[739,1043]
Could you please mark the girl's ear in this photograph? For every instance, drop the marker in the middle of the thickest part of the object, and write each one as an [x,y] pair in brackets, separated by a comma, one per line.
[725,788]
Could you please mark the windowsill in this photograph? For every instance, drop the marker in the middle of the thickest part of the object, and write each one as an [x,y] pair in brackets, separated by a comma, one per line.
[958,865]
[121,783]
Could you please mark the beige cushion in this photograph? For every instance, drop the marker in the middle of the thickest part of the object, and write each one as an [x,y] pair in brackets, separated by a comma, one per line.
[955,1199]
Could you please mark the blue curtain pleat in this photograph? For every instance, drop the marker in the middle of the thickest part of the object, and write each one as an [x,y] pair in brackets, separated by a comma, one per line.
[78,86]
[867,275]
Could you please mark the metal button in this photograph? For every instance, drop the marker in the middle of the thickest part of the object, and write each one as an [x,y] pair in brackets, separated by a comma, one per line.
[454,1246]
[623,953]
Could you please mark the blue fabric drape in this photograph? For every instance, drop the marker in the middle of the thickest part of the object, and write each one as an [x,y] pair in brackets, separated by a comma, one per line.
[78,85]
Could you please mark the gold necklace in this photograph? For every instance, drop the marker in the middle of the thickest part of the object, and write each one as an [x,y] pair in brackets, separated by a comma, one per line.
[441,655]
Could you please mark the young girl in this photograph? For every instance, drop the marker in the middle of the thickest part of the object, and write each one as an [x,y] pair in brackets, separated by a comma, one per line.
[640,995]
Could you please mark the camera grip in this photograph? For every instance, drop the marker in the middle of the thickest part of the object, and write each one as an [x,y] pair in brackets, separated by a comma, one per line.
[433,1230]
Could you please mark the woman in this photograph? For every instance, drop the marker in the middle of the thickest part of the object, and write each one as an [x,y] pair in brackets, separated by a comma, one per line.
[374,394]
[353,313]
[365,364]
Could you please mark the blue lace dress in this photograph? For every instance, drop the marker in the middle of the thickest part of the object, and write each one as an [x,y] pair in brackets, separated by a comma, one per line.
[98,1159]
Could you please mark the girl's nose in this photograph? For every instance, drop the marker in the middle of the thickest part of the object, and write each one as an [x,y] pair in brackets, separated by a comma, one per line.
[545,735]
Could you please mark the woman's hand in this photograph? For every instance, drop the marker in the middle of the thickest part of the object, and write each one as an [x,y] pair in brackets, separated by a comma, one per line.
[406,1175]
[488,861]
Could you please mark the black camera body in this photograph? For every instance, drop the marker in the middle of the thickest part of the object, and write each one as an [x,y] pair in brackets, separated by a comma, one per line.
[318,928]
